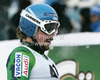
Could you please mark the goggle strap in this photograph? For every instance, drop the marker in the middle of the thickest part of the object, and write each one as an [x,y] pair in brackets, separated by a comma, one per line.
[31,18]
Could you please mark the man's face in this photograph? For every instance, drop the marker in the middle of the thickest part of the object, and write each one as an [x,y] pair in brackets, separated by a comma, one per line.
[44,40]
[94,18]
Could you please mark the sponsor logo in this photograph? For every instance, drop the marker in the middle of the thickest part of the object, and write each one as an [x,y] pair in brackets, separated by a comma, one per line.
[33,19]
[25,65]
[17,64]
[69,69]
[50,14]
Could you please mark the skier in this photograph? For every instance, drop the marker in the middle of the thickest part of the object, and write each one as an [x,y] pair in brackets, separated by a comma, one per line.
[38,24]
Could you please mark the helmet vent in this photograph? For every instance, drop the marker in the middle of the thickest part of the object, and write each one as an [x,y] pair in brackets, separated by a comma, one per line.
[25,28]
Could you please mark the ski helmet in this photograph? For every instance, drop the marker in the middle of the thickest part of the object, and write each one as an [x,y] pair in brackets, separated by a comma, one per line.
[38,15]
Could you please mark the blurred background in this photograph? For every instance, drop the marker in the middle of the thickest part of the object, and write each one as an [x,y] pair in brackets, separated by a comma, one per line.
[75,50]
[74,15]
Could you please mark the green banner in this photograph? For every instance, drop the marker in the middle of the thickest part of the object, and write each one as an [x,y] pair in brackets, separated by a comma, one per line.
[77,62]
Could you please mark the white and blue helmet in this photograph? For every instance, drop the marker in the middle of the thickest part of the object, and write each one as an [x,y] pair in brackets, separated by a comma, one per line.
[38,15]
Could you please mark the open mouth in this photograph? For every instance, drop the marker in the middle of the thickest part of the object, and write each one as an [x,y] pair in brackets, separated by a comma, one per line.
[48,42]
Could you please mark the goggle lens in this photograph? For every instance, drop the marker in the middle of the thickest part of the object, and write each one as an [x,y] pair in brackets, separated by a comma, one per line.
[50,27]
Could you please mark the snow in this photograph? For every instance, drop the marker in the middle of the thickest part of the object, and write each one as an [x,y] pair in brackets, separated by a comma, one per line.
[76,39]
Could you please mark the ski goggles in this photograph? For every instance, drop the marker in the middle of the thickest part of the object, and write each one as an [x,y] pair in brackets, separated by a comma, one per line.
[47,26]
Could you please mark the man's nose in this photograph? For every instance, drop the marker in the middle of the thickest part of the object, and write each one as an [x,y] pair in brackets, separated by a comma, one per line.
[52,34]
